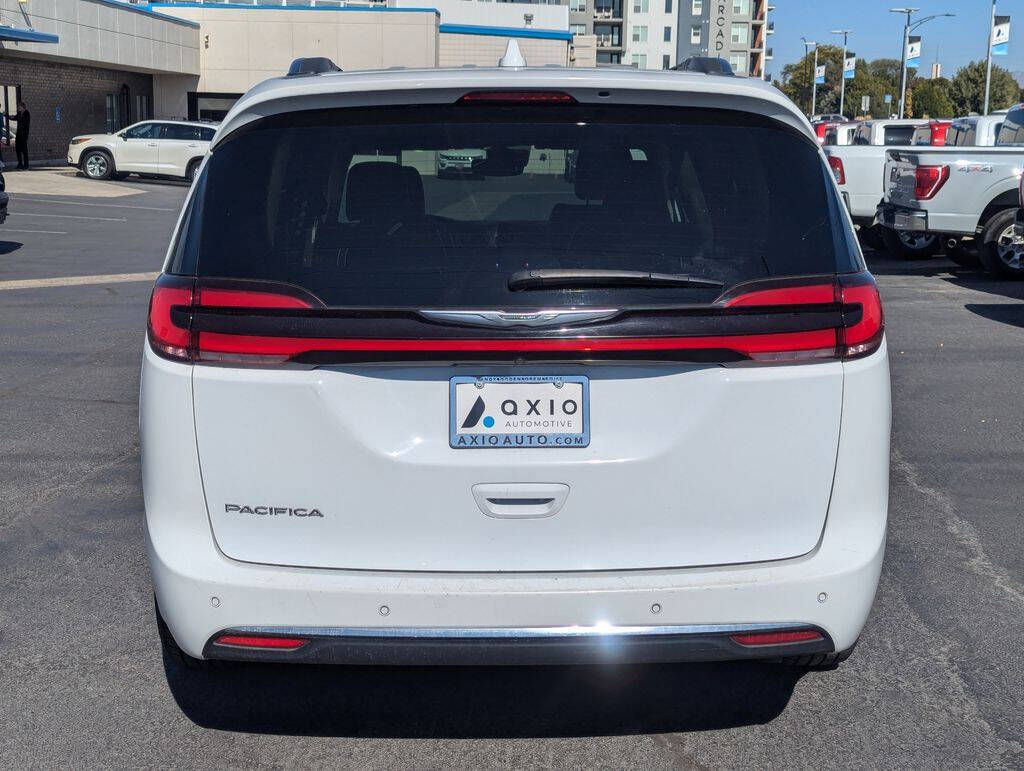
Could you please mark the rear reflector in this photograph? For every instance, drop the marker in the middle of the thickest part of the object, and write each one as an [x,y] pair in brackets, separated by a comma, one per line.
[533,97]
[855,295]
[777,638]
[265,643]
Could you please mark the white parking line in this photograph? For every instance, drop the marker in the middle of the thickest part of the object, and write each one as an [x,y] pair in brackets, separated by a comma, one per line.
[51,232]
[66,216]
[111,278]
[80,203]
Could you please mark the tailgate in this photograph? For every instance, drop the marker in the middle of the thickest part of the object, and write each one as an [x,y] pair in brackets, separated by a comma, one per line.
[900,178]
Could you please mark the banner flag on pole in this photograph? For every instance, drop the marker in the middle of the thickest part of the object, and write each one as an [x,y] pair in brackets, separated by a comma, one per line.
[850,66]
[1001,36]
[914,52]
[819,75]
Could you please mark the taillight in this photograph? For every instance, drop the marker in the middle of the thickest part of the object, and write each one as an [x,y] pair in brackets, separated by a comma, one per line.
[261,642]
[167,338]
[533,97]
[863,318]
[836,164]
[928,180]
[777,638]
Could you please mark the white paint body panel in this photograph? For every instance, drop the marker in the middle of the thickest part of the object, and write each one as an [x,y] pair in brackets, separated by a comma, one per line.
[168,157]
[687,465]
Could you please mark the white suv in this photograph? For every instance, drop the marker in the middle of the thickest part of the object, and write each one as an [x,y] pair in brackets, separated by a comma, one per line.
[167,148]
[639,412]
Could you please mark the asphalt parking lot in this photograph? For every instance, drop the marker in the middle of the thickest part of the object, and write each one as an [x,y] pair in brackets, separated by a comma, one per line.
[937,680]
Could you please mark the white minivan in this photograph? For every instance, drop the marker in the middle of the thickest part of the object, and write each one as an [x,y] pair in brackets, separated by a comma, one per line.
[639,412]
[166,148]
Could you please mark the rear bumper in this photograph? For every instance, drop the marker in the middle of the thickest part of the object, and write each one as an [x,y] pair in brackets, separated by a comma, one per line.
[900,219]
[202,593]
[504,646]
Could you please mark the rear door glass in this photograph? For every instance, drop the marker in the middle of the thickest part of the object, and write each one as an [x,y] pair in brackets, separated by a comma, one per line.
[899,135]
[355,207]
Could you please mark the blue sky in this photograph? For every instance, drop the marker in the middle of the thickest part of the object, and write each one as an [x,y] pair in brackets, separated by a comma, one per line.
[878,33]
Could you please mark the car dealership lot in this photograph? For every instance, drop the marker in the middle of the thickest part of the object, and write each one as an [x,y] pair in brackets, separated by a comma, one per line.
[936,681]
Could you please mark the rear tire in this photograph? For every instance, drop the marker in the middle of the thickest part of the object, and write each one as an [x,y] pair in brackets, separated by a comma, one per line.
[193,168]
[97,165]
[999,251]
[871,237]
[910,246]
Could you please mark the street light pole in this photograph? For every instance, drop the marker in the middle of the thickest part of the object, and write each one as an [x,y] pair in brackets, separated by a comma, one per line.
[842,69]
[907,29]
[988,62]
[808,44]
[814,84]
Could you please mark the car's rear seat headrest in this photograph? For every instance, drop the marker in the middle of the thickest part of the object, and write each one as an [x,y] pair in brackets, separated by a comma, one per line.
[379,191]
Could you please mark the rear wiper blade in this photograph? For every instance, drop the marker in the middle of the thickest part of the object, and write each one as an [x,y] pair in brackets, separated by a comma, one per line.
[552,278]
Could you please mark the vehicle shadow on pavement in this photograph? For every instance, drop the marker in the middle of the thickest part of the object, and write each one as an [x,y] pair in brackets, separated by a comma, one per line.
[477,702]
[6,247]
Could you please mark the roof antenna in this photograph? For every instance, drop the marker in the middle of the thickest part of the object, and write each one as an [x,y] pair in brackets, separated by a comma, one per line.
[513,56]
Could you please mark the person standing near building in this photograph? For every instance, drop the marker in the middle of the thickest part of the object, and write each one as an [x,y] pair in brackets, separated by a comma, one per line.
[24,120]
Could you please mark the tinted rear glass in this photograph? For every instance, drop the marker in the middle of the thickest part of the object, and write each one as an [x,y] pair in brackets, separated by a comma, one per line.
[438,206]
[898,135]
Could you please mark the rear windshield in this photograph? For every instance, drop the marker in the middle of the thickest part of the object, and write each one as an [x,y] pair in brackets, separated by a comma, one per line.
[899,135]
[439,206]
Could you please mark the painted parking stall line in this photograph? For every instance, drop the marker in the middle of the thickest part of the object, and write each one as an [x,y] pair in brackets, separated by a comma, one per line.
[67,216]
[110,278]
[83,203]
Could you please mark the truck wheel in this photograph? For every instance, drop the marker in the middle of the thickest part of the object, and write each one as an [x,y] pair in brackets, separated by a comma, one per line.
[1000,252]
[910,246]
[871,237]
[97,165]
[964,252]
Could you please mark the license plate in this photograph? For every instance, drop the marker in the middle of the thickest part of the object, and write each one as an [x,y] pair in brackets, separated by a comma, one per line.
[519,411]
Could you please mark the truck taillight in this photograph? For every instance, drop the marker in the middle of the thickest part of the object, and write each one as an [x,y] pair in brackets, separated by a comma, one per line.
[928,180]
[836,164]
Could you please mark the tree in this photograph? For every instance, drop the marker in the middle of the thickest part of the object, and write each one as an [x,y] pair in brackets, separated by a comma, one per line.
[930,98]
[797,79]
[887,72]
[967,89]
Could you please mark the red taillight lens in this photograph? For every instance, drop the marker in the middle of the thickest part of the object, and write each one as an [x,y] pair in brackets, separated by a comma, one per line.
[533,97]
[247,298]
[863,336]
[167,338]
[811,294]
[261,642]
[928,180]
[777,638]
[836,164]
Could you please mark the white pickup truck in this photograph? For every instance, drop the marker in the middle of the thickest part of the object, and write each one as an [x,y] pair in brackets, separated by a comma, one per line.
[961,193]
[858,171]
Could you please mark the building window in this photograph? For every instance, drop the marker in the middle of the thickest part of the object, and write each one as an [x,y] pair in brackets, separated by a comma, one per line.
[739,34]
[111,105]
[640,61]
[640,34]
[641,6]
[143,107]
[667,37]
[666,62]
[578,29]
[698,8]
[579,6]
[740,7]
[738,61]
[695,34]
[668,6]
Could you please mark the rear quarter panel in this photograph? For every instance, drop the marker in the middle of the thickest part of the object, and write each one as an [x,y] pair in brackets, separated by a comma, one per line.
[862,165]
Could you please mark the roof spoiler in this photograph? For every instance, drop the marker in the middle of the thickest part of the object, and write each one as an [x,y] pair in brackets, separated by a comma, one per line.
[312,65]
[709,65]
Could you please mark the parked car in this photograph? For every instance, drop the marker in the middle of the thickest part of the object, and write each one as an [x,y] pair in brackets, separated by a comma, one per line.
[961,192]
[933,133]
[4,198]
[821,129]
[858,171]
[451,163]
[975,130]
[166,148]
[829,117]
[638,416]
[840,134]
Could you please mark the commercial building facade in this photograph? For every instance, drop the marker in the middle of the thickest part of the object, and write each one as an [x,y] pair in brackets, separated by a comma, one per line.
[735,30]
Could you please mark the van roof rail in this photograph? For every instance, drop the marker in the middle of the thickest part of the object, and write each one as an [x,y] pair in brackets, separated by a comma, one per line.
[312,65]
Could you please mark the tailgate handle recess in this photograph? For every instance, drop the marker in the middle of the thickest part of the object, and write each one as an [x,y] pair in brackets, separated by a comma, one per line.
[520,501]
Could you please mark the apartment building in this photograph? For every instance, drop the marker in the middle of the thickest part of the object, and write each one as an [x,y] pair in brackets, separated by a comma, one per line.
[735,30]
[651,31]
[605,20]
